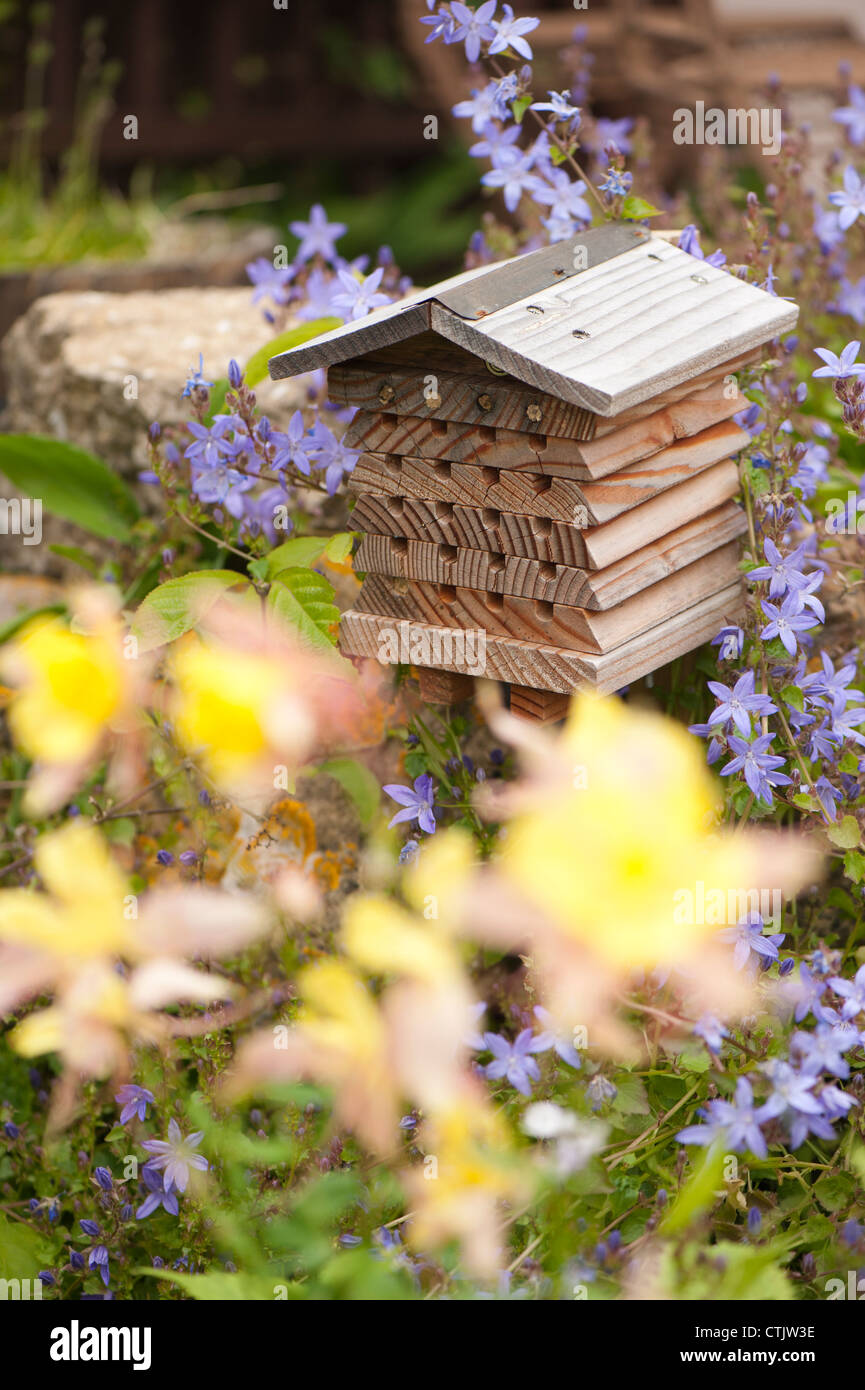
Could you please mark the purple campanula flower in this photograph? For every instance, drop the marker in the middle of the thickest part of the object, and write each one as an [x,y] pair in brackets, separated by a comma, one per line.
[755,1220]
[157,1195]
[176,1156]
[514,177]
[852,992]
[359,297]
[730,642]
[90,1228]
[561,108]
[418,802]
[782,571]
[551,1037]
[319,291]
[472,26]
[509,34]
[270,281]
[98,1259]
[11,1130]
[196,380]
[840,368]
[164,857]
[712,1031]
[791,1090]
[317,236]
[104,1178]
[334,458]
[822,1050]
[850,200]
[734,1122]
[513,1060]
[296,445]
[785,622]
[235,375]
[752,946]
[135,1100]
[209,445]
[739,704]
[757,764]
[484,106]
[852,117]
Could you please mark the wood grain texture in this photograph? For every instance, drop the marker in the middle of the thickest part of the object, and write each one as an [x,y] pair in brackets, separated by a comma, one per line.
[581,460]
[541,706]
[443,687]
[536,494]
[542,667]
[539,538]
[397,557]
[536,620]
[476,397]
[647,321]
[429,378]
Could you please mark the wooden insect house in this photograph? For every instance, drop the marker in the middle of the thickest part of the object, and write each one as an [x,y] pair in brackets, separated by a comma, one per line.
[546,492]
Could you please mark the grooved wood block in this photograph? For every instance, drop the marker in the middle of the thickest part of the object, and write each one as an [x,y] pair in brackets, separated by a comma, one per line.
[537,452]
[537,494]
[509,574]
[443,687]
[539,538]
[535,620]
[543,667]
[541,706]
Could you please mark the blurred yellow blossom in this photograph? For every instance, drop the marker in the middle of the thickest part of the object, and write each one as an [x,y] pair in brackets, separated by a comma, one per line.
[74,686]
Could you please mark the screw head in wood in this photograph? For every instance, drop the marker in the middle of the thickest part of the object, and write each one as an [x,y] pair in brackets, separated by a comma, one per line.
[386,394]
[534,411]
[485,402]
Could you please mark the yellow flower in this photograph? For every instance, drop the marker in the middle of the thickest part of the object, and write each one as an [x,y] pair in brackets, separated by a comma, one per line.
[621,824]
[71,685]
[236,706]
[385,939]
[82,915]
[466,1177]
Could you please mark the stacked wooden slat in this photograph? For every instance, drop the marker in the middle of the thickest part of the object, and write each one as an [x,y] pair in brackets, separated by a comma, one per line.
[588,551]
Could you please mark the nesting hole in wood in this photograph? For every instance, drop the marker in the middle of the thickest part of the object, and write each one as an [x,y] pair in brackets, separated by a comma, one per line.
[390,420]
[487,433]
[537,442]
[448,554]
[546,569]
[438,428]
[447,593]
[399,545]
[443,511]
[534,309]
[396,505]
[579,333]
[544,610]
[495,603]
[542,526]
[491,517]
[541,484]
[496,563]
[490,476]
[442,469]
[393,463]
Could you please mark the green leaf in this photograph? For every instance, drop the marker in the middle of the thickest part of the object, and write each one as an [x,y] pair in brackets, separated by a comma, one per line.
[634,208]
[846,834]
[14,625]
[71,484]
[173,608]
[339,547]
[216,404]
[77,556]
[304,599]
[792,695]
[301,552]
[358,782]
[256,368]
[854,865]
[631,1097]
[699,1191]
[219,1286]
[23,1251]
[521,106]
